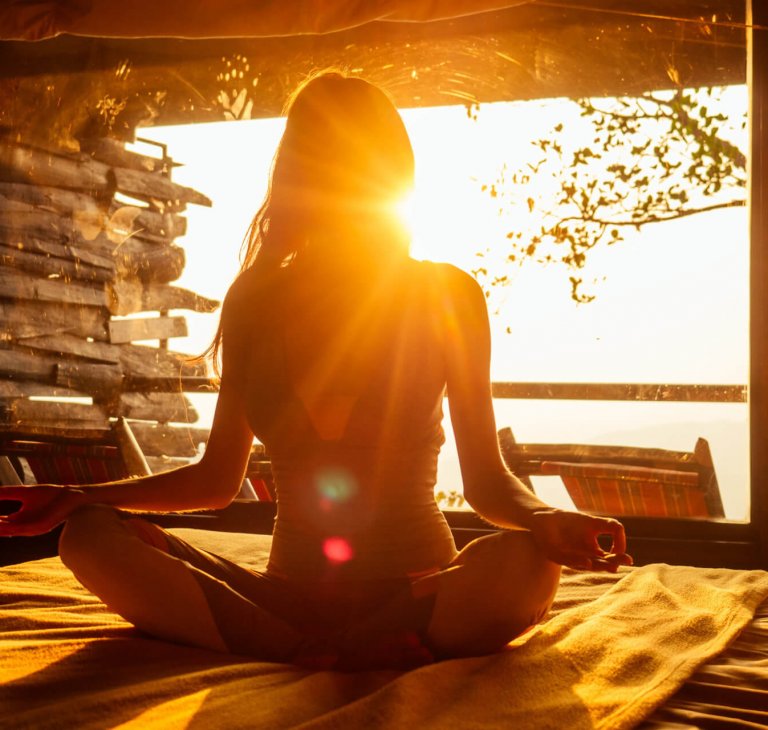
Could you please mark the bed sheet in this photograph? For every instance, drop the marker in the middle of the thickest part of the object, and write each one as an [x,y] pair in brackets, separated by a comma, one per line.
[66,661]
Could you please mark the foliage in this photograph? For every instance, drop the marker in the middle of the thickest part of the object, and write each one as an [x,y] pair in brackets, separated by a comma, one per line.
[452,499]
[653,158]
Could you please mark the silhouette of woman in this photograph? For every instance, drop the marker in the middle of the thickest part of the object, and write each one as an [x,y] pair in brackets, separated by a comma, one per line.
[336,351]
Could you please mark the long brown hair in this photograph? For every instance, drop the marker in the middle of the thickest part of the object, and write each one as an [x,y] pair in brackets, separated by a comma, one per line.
[343,162]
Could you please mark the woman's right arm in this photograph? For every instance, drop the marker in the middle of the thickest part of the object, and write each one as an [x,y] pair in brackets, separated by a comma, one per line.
[210,483]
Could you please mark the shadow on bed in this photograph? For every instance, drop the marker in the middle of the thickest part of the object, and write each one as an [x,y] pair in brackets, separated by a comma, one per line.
[127,679]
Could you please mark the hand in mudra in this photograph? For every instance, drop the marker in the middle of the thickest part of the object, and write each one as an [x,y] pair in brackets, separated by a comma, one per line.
[571,539]
[40,508]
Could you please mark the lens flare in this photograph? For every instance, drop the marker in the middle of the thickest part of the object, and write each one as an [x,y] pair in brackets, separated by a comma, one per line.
[336,486]
[338,550]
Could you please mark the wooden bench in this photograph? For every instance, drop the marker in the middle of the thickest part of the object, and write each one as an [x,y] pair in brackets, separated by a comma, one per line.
[61,456]
[623,480]
[52,455]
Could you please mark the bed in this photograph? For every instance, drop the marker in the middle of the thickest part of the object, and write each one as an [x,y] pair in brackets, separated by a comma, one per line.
[655,647]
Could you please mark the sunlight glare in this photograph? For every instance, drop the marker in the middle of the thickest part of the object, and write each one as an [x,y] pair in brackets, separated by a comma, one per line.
[451,213]
[405,210]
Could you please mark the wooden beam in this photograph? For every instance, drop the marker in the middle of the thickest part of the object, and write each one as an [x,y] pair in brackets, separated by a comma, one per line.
[66,344]
[43,196]
[160,297]
[63,251]
[162,407]
[128,296]
[150,328]
[85,433]
[58,215]
[98,379]
[150,262]
[26,371]
[180,383]
[79,236]
[25,366]
[140,361]
[163,440]
[34,318]
[153,187]
[20,221]
[32,165]
[23,389]
[167,225]
[49,266]
[21,163]
[18,285]
[56,427]
[22,410]
[113,152]
[521,52]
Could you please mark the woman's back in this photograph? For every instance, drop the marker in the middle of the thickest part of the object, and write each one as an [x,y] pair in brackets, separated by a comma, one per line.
[345,381]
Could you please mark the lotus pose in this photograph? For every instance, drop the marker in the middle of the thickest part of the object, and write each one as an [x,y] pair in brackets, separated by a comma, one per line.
[336,352]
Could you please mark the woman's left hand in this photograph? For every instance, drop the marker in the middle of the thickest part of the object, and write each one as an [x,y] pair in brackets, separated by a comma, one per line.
[570,538]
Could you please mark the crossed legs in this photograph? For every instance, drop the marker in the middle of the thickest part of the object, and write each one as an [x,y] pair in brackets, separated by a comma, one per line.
[495,589]
[127,563]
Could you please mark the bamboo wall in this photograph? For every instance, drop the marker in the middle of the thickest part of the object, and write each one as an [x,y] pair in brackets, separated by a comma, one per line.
[86,239]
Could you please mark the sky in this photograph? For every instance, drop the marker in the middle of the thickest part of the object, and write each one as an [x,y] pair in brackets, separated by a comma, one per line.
[671,302]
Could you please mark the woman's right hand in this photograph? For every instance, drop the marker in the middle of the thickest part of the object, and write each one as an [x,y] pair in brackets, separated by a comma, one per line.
[570,538]
[42,508]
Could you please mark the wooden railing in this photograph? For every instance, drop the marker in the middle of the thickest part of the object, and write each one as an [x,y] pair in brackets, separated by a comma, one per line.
[622,392]
[678,392]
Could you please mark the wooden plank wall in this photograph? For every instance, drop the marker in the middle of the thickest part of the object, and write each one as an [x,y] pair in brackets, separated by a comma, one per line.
[86,239]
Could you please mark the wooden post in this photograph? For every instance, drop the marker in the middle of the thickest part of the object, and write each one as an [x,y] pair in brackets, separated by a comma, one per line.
[757,82]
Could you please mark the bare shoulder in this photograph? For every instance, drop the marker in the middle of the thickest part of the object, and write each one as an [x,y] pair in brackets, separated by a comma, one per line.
[458,289]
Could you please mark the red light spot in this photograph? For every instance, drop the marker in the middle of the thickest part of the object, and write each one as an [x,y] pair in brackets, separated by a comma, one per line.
[337,550]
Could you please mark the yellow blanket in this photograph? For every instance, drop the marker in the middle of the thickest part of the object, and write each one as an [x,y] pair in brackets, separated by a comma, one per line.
[65,661]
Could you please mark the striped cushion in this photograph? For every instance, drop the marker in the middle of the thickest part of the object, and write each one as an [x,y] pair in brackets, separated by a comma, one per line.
[70,463]
[631,490]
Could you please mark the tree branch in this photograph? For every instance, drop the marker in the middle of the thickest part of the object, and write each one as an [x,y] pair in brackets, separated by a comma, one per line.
[673,215]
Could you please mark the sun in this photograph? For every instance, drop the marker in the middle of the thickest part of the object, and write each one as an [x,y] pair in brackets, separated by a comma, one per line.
[448,216]
[450,213]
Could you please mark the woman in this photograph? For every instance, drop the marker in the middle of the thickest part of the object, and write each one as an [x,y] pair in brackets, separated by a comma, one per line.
[336,351]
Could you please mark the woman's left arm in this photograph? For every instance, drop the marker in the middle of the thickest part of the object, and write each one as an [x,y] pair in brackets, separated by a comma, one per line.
[568,538]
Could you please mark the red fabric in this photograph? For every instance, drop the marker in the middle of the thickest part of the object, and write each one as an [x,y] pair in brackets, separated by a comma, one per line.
[70,463]
[263,492]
